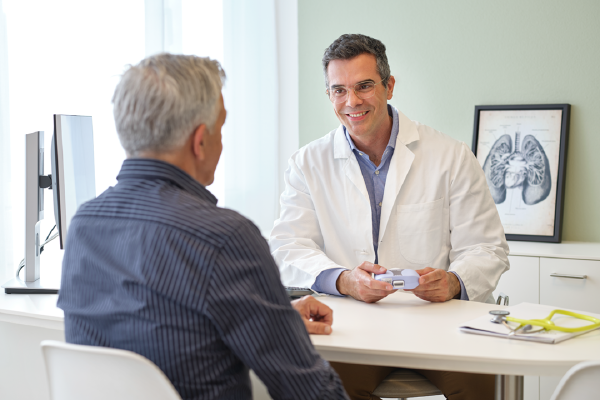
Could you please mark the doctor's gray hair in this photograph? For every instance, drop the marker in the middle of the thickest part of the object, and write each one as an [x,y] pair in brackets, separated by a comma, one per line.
[349,46]
[161,101]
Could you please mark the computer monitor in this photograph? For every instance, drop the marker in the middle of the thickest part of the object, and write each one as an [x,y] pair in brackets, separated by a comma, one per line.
[72,181]
[73,174]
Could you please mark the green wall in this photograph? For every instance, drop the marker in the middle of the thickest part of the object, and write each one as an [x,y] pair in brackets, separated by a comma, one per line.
[448,56]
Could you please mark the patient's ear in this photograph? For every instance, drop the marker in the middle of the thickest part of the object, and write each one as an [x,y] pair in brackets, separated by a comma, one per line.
[198,137]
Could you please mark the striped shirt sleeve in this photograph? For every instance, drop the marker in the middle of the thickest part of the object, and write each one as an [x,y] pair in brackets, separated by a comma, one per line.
[255,319]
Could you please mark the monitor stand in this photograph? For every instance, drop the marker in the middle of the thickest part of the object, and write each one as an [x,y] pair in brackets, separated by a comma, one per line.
[34,213]
[18,286]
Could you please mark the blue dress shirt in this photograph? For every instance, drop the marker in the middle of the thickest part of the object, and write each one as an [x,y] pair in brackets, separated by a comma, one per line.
[154,266]
[375,177]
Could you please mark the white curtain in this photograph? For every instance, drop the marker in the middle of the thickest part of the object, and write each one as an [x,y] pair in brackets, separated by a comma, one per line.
[6,251]
[262,125]
[62,57]
[259,38]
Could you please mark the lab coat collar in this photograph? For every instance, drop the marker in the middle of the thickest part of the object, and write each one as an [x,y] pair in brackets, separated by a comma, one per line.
[407,133]
[400,164]
[341,149]
[407,130]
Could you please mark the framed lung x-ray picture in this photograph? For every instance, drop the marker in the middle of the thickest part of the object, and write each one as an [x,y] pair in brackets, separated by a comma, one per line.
[523,152]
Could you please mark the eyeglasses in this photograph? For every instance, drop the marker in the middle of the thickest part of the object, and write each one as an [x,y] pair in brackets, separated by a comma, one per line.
[362,90]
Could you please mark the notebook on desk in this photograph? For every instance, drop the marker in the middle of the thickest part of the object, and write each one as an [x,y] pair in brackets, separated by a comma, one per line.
[484,326]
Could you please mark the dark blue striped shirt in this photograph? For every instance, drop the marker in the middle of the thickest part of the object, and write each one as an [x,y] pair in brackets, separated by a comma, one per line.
[154,266]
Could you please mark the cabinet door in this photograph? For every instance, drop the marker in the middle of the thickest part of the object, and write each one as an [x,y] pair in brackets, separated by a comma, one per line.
[577,294]
[521,281]
[522,284]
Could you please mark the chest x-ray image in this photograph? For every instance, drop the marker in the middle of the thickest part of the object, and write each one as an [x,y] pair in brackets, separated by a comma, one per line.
[526,165]
[519,153]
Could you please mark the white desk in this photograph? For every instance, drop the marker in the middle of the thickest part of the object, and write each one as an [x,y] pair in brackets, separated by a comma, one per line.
[38,310]
[33,310]
[400,331]
[26,320]
[404,331]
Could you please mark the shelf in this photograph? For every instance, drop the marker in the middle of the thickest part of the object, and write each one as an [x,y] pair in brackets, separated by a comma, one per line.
[571,250]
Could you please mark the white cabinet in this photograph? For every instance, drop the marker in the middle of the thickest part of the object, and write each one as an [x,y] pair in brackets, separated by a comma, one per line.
[530,279]
[521,283]
[578,287]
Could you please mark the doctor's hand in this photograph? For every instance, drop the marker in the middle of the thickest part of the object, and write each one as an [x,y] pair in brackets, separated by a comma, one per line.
[359,284]
[436,285]
[317,316]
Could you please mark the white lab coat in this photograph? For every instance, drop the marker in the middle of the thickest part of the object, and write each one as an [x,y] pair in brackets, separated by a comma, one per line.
[437,211]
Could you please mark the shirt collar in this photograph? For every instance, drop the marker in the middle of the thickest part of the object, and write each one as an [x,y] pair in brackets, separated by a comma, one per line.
[395,128]
[152,169]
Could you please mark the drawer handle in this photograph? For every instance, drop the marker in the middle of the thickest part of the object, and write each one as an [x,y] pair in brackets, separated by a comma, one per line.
[569,276]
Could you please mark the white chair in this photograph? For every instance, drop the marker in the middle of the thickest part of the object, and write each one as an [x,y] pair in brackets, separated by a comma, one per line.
[580,383]
[78,372]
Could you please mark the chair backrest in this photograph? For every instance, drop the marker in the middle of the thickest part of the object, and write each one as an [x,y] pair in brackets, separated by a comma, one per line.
[78,372]
[580,382]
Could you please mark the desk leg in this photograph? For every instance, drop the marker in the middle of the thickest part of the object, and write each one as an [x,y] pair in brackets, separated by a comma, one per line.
[509,387]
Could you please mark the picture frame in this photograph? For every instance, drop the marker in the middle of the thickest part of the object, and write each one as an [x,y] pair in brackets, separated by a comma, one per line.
[523,152]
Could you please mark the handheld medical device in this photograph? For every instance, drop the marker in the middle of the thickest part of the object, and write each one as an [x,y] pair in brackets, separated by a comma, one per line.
[399,278]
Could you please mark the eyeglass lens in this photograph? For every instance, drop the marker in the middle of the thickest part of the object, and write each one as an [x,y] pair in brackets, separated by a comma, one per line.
[363,91]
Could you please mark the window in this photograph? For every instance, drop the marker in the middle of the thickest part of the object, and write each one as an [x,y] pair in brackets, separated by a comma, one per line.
[66,57]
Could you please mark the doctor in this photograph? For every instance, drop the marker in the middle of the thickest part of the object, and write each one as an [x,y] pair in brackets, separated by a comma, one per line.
[382,191]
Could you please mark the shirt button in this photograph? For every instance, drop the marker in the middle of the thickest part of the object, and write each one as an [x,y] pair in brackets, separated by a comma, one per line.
[360,154]
[376,172]
[380,204]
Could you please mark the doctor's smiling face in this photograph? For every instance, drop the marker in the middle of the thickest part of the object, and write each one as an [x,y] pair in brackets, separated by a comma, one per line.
[363,112]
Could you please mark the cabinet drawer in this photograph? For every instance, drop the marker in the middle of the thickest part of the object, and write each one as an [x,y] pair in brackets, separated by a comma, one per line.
[521,283]
[578,294]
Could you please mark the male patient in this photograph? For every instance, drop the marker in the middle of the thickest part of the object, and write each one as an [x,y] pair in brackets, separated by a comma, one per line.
[382,191]
[154,266]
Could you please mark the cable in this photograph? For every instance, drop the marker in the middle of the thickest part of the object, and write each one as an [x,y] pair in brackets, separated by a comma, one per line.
[50,232]
[21,265]
[48,240]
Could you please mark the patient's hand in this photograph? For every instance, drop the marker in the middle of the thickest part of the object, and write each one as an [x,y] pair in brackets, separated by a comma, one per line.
[317,316]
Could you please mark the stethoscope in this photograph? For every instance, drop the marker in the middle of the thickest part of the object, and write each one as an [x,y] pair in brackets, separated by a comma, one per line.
[526,325]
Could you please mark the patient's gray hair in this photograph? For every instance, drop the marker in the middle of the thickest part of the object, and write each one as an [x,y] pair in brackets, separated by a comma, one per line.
[161,101]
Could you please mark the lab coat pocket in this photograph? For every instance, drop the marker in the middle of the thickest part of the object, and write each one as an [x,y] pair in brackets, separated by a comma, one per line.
[420,230]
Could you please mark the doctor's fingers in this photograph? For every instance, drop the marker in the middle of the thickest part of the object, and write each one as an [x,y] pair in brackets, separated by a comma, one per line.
[436,296]
[436,290]
[424,271]
[441,284]
[374,296]
[373,284]
[432,276]
[371,268]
